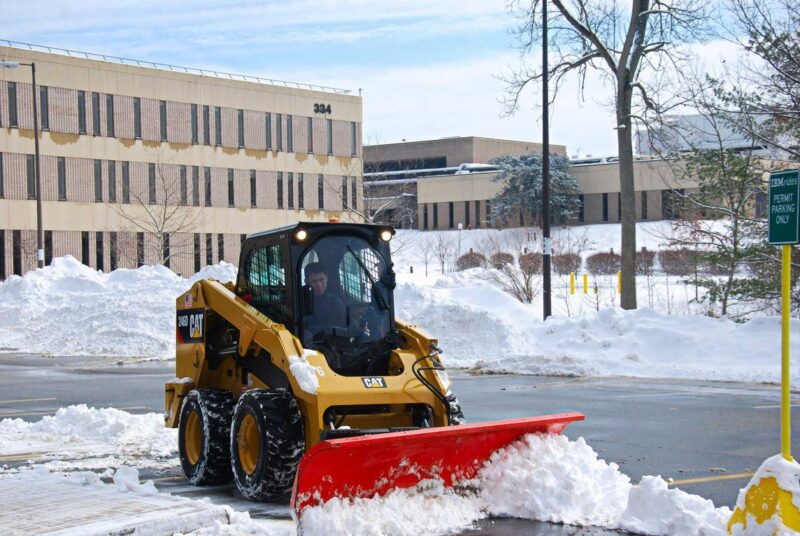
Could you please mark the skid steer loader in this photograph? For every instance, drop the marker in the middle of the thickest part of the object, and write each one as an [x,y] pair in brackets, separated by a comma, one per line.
[298,378]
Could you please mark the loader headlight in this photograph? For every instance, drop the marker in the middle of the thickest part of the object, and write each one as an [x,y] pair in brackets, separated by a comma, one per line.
[386,235]
[301,235]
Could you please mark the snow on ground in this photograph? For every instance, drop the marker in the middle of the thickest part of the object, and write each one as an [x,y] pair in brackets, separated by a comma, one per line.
[69,309]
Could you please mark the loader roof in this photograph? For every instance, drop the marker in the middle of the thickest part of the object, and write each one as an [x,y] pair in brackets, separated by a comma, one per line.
[317,225]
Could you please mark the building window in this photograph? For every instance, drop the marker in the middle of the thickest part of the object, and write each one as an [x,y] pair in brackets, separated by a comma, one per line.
[62,178]
[230,188]
[113,253]
[196,252]
[110,116]
[488,213]
[278,132]
[137,118]
[220,247]
[280,189]
[300,196]
[184,186]
[194,124]
[253,188]
[619,206]
[477,214]
[44,107]
[240,127]
[218,126]
[310,129]
[98,181]
[209,250]
[82,113]
[466,213]
[112,182]
[669,205]
[2,255]
[165,253]
[644,205]
[290,189]
[95,114]
[353,144]
[581,214]
[451,214]
[435,216]
[289,134]
[268,127]
[48,247]
[425,217]
[162,115]
[139,249]
[354,193]
[329,130]
[321,191]
[206,125]
[126,182]
[2,186]
[207,178]
[195,186]
[12,107]
[605,207]
[343,192]
[85,248]
[98,244]
[16,252]
[151,190]
[31,175]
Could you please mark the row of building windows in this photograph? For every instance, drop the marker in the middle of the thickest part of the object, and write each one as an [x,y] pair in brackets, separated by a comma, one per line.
[280,120]
[430,214]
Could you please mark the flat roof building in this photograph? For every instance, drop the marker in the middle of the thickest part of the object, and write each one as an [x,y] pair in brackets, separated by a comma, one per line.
[149,164]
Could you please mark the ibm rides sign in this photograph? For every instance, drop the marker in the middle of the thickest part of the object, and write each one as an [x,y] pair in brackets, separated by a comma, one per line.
[784,196]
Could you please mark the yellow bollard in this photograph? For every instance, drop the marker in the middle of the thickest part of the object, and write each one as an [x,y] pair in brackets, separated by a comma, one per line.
[619,282]
[572,283]
[586,283]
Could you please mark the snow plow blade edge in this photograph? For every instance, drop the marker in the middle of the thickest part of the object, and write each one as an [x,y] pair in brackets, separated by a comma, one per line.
[365,466]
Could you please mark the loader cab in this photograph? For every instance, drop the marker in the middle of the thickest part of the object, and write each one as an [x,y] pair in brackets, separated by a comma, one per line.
[332,285]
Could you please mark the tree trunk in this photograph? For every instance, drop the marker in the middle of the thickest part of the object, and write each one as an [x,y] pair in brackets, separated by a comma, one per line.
[627,197]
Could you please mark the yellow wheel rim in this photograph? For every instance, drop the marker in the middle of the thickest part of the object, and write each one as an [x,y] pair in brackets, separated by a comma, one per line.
[249,442]
[193,438]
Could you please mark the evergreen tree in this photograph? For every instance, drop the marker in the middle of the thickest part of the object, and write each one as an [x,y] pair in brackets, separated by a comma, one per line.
[520,201]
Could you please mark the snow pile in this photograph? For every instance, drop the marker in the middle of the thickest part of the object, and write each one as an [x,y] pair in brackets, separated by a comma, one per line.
[480,326]
[304,372]
[71,309]
[787,476]
[545,478]
[80,431]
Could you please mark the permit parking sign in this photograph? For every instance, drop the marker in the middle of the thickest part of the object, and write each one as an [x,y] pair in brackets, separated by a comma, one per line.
[784,196]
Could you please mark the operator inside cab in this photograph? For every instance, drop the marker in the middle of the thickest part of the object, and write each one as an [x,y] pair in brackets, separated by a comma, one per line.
[329,310]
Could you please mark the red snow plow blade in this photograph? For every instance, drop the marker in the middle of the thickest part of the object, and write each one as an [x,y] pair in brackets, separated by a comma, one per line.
[369,465]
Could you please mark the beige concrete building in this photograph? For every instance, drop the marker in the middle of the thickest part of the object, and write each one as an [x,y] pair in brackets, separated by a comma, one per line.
[142,163]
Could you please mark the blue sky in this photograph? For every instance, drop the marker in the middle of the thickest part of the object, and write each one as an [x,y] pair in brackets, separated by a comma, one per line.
[428,69]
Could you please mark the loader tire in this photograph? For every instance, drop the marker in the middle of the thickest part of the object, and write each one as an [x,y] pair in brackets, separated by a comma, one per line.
[266,443]
[456,414]
[203,432]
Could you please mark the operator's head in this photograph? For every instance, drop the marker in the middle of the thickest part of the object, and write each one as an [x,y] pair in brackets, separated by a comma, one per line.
[317,278]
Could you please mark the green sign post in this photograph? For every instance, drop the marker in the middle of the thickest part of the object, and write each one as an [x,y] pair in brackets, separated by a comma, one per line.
[784,205]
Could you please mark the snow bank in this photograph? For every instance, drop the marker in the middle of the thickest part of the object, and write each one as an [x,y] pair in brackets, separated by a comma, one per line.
[545,478]
[480,326]
[116,436]
[70,309]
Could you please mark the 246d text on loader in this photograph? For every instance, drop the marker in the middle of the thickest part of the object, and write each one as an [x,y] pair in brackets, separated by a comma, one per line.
[298,377]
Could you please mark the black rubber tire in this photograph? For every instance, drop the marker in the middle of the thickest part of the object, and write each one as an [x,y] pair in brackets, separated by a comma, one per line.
[282,444]
[214,409]
[456,415]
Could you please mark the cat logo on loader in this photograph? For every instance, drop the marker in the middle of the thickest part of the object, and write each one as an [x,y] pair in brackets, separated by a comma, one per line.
[297,378]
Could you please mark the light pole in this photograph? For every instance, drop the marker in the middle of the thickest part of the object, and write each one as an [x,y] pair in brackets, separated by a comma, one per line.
[37,175]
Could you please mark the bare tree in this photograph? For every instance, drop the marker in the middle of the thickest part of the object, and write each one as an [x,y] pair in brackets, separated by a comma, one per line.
[444,249]
[624,44]
[425,250]
[162,214]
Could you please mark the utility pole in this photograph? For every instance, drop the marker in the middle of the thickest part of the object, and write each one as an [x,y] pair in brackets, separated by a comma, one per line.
[546,245]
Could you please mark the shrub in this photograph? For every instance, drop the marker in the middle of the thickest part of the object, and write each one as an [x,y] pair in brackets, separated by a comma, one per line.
[677,261]
[469,260]
[565,263]
[603,263]
[644,261]
[500,259]
[531,263]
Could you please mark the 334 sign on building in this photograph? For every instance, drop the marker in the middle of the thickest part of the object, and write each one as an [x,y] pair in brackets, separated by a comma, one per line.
[784,200]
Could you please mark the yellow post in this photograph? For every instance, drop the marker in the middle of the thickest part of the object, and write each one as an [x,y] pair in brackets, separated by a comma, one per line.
[786,417]
[619,282]
[586,283]
[572,283]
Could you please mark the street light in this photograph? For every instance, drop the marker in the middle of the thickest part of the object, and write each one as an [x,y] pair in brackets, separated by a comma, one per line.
[39,229]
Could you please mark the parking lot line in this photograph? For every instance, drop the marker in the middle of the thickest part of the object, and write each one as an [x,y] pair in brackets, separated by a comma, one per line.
[26,400]
[50,412]
[700,480]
